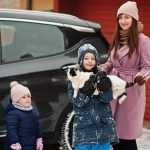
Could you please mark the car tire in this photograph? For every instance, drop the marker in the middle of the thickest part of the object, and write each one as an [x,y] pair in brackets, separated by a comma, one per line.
[66,132]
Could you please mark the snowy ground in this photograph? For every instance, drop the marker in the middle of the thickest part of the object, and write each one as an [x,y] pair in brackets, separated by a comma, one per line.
[144,141]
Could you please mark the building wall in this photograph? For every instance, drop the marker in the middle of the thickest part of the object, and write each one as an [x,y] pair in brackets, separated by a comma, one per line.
[147,112]
[23,4]
[66,6]
[14,4]
[42,4]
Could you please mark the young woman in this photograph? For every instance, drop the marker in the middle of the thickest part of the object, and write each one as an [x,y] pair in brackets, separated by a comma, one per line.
[130,60]
[93,127]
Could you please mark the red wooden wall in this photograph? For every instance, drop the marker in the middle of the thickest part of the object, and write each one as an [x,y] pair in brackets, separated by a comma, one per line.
[104,12]
[147,112]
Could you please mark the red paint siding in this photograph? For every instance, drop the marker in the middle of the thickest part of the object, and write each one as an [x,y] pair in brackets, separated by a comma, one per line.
[104,12]
[147,111]
[65,6]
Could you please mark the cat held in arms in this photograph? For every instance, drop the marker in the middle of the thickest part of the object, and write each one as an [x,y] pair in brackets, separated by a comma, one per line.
[118,86]
[78,78]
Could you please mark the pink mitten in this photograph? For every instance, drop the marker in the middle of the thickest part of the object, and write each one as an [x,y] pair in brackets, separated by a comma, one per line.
[16,146]
[39,144]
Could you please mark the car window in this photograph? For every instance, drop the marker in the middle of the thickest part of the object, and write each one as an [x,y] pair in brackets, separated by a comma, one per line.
[22,40]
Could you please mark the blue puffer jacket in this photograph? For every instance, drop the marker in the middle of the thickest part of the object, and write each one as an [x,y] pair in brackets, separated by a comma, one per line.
[23,127]
[93,120]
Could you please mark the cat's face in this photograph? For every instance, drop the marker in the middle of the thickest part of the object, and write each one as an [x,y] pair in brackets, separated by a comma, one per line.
[74,71]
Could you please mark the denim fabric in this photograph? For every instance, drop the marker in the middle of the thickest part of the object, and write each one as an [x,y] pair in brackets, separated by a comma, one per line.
[93,120]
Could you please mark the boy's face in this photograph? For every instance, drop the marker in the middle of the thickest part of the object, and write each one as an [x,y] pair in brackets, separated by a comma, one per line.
[25,100]
[89,61]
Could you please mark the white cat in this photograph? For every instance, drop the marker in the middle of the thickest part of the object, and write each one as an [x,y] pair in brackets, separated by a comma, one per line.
[118,87]
[78,78]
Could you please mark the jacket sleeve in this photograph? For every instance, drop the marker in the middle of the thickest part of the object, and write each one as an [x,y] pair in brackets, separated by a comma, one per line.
[12,122]
[39,134]
[108,65]
[38,127]
[144,51]
[106,96]
[80,100]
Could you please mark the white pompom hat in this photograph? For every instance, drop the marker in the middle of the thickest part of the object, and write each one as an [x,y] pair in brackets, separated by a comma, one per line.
[18,91]
[129,8]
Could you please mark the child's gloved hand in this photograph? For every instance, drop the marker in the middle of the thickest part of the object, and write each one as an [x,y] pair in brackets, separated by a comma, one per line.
[39,144]
[139,80]
[89,86]
[101,74]
[16,146]
[93,78]
[104,84]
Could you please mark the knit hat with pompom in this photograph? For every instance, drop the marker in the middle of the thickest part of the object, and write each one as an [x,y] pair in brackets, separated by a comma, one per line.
[18,91]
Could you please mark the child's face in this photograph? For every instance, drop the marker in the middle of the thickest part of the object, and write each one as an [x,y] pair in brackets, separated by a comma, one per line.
[25,100]
[125,21]
[89,61]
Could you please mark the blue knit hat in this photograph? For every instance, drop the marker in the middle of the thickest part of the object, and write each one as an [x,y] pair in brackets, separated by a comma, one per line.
[84,49]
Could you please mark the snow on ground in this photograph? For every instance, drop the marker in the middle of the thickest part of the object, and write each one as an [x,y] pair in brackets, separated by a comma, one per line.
[144,141]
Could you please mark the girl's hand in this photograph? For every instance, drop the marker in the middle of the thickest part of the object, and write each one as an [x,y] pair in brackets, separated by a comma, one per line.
[16,146]
[39,144]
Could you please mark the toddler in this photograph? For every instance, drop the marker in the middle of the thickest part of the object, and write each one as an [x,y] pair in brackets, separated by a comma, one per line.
[23,131]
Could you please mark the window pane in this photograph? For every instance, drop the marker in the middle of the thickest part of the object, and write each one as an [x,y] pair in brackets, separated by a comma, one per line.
[22,40]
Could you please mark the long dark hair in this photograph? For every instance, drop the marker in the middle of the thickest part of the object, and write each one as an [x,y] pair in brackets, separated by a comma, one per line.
[132,39]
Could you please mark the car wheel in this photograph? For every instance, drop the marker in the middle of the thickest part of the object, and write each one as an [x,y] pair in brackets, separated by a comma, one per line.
[66,132]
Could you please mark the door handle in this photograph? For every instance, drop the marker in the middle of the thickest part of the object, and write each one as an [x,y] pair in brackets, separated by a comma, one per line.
[3,133]
[66,67]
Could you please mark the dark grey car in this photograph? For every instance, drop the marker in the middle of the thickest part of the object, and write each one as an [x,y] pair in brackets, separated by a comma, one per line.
[35,50]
